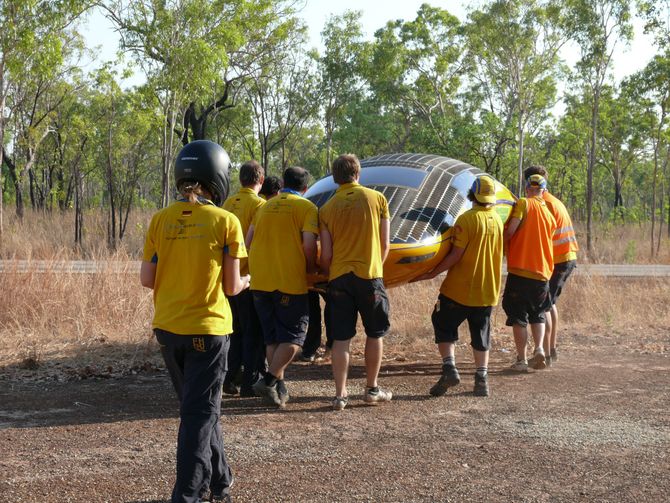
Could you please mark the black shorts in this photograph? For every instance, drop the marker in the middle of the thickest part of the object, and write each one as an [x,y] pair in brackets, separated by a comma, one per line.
[525,300]
[560,275]
[448,316]
[349,295]
[284,317]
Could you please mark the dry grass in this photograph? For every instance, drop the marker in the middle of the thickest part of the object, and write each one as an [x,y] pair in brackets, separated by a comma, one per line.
[99,324]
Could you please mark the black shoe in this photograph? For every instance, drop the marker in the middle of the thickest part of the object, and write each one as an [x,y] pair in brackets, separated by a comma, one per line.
[269,393]
[230,389]
[448,378]
[282,391]
[481,384]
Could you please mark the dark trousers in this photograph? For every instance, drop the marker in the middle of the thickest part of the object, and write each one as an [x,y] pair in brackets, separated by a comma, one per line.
[313,338]
[197,366]
[249,338]
[235,350]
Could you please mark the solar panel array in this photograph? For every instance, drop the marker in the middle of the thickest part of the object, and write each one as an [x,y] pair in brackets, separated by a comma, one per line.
[418,213]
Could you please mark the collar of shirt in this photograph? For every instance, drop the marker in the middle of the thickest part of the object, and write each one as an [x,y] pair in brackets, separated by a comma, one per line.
[247,190]
[201,200]
[291,191]
[346,186]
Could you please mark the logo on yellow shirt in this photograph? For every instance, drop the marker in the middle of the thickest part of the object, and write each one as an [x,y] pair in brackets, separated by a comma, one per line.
[199,344]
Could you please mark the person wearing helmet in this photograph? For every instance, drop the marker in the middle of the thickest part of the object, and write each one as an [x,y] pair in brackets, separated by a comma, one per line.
[471,287]
[191,261]
[530,263]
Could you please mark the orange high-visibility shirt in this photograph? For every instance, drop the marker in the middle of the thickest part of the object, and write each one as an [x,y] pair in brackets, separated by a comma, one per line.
[564,239]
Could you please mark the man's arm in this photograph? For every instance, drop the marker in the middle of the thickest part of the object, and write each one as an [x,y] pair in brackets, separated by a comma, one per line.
[326,257]
[232,282]
[249,237]
[309,249]
[148,274]
[384,234]
[451,259]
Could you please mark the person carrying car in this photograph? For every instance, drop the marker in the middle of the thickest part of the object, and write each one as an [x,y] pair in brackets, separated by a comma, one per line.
[471,287]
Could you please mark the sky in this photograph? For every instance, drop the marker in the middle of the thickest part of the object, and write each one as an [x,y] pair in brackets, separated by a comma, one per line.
[375,14]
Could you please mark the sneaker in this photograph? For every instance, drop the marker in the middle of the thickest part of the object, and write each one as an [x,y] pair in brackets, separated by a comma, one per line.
[340,403]
[448,378]
[229,388]
[520,366]
[554,354]
[481,385]
[377,395]
[309,358]
[547,360]
[269,393]
[282,392]
[221,499]
[538,361]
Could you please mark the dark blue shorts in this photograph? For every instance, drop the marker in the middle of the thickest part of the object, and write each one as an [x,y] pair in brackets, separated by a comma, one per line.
[448,316]
[560,275]
[349,295]
[525,300]
[284,317]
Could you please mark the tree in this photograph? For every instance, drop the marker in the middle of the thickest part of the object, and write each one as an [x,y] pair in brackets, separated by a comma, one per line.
[517,78]
[597,25]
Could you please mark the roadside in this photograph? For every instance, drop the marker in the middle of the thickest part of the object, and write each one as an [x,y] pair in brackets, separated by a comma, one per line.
[593,428]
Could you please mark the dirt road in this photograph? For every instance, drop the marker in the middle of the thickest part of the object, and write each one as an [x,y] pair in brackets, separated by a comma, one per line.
[595,427]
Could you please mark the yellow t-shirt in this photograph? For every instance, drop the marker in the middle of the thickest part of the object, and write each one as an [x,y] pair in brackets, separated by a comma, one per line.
[244,206]
[352,217]
[276,257]
[187,242]
[475,279]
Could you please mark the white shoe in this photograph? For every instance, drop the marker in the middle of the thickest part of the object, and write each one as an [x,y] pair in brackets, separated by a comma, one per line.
[520,366]
[377,396]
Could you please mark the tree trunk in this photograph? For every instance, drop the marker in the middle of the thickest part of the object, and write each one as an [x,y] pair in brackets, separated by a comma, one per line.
[520,180]
[589,171]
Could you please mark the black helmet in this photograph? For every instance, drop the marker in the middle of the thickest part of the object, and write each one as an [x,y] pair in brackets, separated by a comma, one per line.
[205,162]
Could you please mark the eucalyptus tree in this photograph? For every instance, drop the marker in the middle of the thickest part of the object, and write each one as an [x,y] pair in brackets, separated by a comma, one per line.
[597,26]
[340,71]
[515,46]
[415,74]
[193,52]
[31,35]
[283,97]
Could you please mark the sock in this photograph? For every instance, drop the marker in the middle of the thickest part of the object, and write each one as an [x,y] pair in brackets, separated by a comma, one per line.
[269,379]
[449,361]
[482,371]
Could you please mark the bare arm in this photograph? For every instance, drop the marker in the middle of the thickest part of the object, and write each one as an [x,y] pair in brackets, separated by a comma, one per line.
[326,251]
[309,249]
[148,274]
[447,263]
[384,234]
[232,282]
[249,237]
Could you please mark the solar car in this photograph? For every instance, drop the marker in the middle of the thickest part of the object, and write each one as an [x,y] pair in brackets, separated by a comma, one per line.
[426,193]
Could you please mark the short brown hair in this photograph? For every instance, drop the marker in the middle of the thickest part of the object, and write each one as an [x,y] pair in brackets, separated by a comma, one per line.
[346,168]
[251,173]
[535,170]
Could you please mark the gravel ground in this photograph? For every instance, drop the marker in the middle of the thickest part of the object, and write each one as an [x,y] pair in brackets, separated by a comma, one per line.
[594,427]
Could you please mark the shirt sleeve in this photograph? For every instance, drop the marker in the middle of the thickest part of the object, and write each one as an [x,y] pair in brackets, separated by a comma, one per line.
[150,253]
[519,210]
[461,232]
[384,207]
[311,221]
[234,241]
